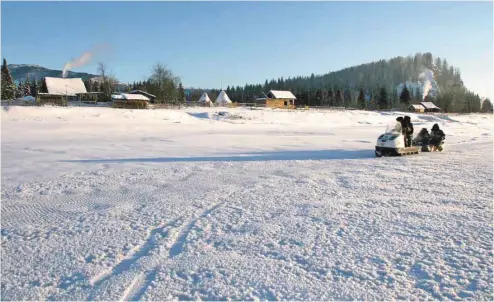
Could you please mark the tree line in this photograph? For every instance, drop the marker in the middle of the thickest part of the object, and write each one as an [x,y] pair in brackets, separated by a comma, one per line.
[375,85]
[385,84]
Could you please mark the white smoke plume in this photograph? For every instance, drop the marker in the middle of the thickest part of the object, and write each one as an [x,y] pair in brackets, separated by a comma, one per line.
[84,59]
[427,79]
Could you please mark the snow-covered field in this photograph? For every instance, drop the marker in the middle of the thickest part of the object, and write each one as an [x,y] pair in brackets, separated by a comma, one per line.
[106,204]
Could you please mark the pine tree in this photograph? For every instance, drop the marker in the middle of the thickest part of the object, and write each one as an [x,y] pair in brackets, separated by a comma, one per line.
[43,89]
[339,98]
[361,99]
[181,93]
[27,87]
[331,97]
[405,96]
[418,95]
[383,98]
[8,85]
[19,91]
[487,106]
[34,88]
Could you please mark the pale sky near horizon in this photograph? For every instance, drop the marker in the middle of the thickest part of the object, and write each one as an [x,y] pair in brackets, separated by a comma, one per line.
[233,43]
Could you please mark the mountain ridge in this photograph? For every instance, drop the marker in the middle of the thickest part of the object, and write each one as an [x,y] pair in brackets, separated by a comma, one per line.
[20,72]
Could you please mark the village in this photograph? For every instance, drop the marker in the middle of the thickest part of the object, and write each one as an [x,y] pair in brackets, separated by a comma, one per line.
[73,92]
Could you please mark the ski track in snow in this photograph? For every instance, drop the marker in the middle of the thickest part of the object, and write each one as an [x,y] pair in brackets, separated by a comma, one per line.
[129,205]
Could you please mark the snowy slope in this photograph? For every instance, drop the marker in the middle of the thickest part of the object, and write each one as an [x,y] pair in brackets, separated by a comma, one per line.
[217,204]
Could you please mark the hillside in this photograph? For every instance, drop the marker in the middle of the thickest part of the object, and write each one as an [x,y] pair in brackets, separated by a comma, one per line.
[423,74]
[20,72]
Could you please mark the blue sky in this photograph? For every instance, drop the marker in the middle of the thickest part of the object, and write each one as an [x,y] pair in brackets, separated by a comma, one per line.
[210,43]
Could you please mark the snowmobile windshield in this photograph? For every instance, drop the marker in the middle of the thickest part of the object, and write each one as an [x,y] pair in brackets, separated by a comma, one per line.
[393,128]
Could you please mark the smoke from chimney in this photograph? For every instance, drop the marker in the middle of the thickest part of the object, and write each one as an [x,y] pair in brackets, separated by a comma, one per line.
[427,78]
[84,59]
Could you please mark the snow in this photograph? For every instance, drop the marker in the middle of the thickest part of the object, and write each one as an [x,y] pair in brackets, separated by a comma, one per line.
[238,204]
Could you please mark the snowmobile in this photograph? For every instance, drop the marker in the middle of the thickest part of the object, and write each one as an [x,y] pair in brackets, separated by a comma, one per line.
[392,142]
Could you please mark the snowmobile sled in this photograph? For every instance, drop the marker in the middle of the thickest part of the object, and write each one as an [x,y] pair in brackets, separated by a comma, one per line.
[425,142]
[392,142]
[428,147]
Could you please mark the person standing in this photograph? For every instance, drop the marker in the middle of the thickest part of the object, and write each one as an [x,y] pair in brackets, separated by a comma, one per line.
[437,137]
[408,131]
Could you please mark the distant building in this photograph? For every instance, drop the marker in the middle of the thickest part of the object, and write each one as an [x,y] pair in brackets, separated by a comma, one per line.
[62,90]
[129,97]
[416,108]
[280,99]
[430,107]
[150,96]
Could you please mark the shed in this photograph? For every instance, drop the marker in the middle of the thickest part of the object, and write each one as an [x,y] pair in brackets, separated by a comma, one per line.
[280,99]
[430,107]
[416,108]
[150,96]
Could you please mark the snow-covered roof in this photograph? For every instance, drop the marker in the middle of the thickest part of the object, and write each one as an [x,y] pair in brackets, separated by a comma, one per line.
[129,96]
[262,97]
[204,98]
[429,105]
[223,98]
[416,106]
[278,94]
[62,86]
[149,95]
[117,97]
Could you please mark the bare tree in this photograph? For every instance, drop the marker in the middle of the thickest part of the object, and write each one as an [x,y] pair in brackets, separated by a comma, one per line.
[108,79]
[164,82]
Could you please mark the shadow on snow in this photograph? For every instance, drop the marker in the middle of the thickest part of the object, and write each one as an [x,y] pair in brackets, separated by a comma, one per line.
[246,157]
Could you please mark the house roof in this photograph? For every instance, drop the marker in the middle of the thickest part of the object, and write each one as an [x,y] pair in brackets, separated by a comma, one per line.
[262,97]
[279,94]
[416,106]
[429,105]
[149,95]
[129,96]
[62,86]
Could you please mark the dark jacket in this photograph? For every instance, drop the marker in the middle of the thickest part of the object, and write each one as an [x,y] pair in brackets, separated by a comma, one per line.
[407,126]
[423,136]
[438,134]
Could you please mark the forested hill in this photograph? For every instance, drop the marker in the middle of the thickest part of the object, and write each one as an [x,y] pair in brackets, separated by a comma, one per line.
[381,83]
[21,72]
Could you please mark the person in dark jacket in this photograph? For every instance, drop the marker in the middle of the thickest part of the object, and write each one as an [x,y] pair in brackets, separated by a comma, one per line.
[423,137]
[437,137]
[402,123]
[408,130]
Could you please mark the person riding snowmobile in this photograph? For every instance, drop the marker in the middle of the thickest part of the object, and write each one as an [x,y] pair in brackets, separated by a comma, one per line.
[423,137]
[408,131]
[437,137]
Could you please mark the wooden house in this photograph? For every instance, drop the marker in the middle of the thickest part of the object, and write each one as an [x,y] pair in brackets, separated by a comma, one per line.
[280,99]
[416,108]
